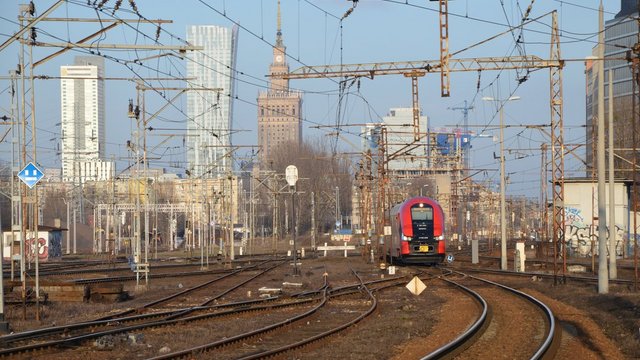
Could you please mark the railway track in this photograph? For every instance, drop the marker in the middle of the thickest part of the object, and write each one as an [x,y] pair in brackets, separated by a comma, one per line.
[568,278]
[122,321]
[328,317]
[504,324]
[77,336]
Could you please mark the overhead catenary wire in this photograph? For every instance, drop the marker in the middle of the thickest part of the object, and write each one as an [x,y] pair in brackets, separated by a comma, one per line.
[224,12]
[108,57]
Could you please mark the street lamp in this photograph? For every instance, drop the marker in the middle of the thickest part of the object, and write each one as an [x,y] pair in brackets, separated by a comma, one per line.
[503,222]
[291,174]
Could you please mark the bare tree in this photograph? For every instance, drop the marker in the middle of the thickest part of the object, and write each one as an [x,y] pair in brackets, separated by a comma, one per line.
[320,173]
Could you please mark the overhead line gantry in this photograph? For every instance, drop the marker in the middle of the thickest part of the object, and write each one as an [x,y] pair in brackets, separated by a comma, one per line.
[420,68]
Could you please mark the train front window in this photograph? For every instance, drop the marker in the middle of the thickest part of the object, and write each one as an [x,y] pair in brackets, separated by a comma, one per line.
[421,213]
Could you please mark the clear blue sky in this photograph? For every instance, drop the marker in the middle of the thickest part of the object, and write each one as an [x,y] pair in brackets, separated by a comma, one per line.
[375,31]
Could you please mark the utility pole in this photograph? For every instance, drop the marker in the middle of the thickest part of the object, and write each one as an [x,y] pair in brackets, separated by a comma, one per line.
[557,145]
[313,221]
[36,205]
[603,276]
[232,254]
[613,271]
[466,165]
[503,220]
[544,218]
[337,209]
[23,162]
[633,56]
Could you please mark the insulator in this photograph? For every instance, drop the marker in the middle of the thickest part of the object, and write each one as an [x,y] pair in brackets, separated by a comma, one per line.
[34,34]
[117,6]
[133,6]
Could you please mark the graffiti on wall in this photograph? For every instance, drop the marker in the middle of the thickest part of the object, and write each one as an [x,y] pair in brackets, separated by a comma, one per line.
[581,238]
[30,249]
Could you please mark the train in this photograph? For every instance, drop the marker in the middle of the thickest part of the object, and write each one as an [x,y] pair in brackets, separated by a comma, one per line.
[417,232]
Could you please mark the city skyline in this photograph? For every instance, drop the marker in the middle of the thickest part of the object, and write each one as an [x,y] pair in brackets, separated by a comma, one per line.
[317,39]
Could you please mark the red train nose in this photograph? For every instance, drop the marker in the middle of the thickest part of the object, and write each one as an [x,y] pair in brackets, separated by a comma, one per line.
[404,247]
[441,247]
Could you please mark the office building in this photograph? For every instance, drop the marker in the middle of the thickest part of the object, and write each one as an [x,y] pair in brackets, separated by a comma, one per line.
[621,34]
[83,121]
[210,110]
[279,108]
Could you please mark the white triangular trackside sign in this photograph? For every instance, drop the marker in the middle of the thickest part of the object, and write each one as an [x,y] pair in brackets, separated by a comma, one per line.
[416,286]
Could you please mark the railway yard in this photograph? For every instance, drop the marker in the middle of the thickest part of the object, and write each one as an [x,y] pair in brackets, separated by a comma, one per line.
[337,307]
[160,204]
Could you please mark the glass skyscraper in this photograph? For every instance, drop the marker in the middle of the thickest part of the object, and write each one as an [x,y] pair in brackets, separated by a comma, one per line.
[210,111]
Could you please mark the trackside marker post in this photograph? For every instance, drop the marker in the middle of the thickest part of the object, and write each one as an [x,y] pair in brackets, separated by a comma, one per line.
[416,286]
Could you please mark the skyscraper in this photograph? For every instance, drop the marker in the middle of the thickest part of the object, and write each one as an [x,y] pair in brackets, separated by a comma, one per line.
[83,121]
[210,113]
[621,34]
[279,109]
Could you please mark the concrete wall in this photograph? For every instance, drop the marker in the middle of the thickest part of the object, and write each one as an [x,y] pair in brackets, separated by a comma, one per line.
[581,218]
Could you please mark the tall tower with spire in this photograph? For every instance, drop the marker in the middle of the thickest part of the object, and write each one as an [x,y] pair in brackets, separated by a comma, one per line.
[279,108]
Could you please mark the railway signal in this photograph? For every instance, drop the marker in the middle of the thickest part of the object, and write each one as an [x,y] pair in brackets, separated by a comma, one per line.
[291,174]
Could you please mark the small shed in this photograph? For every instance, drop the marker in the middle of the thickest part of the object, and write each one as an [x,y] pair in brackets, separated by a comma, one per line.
[49,239]
[581,215]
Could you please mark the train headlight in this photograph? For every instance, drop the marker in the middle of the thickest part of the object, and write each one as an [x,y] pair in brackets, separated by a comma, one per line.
[406,238]
[441,237]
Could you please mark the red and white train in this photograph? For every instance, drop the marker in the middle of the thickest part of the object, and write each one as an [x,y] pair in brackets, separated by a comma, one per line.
[417,232]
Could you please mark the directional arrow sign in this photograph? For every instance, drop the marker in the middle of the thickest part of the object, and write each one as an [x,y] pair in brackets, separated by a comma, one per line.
[416,286]
[30,175]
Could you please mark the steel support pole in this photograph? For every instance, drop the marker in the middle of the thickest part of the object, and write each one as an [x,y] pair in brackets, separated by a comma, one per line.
[613,271]
[68,249]
[313,222]
[232,239]
[503,222]
[294,231]
[75,242]
[603,276]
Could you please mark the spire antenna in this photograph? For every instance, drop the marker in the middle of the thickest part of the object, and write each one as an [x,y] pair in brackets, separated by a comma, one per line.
[279,33]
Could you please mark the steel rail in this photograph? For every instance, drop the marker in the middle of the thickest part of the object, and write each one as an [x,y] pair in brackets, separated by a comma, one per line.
[301,343]
[206,347]
[249,304]
[547,346]
[458,343]
[543,275]
[163,322]
[173,317]
[186,291]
